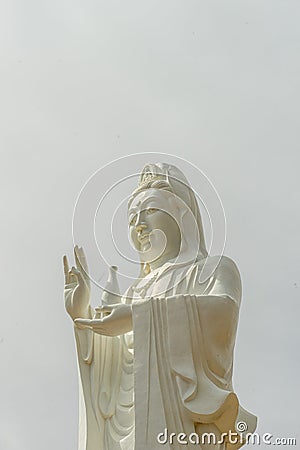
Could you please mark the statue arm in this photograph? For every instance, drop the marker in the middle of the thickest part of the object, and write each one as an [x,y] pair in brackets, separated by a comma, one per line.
[224,285]
[105,368]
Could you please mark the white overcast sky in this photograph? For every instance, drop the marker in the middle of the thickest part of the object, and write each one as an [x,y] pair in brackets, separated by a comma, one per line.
[84,82]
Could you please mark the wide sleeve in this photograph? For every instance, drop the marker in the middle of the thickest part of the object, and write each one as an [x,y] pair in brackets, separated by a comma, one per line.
[105,390]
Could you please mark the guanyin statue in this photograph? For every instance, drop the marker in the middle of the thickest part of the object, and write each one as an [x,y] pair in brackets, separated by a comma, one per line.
[155,365]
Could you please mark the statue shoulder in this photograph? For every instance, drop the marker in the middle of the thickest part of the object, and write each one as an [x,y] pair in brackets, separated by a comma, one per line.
[228,278]
[227,266]
[224,276]
[218,264]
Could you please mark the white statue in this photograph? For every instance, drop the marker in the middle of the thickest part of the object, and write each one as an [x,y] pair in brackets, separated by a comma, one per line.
[158,360]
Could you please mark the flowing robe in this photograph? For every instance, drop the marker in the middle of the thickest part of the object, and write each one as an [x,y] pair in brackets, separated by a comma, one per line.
[173,372]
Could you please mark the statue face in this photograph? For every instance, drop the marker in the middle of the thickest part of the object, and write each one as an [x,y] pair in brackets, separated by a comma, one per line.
[153,230]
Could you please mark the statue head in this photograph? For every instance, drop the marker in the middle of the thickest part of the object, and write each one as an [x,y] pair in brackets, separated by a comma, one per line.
[164,218]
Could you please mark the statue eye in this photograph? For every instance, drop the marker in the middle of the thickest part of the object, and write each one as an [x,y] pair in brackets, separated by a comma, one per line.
[132,220]
[151,210]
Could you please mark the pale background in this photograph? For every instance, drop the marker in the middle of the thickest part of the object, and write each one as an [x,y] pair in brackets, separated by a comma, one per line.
[82,83]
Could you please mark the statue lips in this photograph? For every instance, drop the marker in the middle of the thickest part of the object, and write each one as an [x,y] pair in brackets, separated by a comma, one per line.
[143,238]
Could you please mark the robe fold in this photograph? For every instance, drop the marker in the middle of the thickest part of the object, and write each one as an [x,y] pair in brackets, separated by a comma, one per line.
[173,372]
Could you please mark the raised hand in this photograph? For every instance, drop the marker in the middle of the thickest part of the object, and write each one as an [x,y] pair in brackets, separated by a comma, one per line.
[77,286]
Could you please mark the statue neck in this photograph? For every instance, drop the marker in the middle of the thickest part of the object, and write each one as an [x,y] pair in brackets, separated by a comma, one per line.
[165,257]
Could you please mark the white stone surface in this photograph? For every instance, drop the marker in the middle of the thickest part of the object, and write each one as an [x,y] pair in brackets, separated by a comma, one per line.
[162,358]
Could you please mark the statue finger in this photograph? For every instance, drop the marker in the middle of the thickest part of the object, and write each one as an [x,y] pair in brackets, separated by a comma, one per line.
[83,323]
[81,263]
[66,269]
[77,259]
[83,259]
[106,308]
[78,276]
